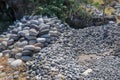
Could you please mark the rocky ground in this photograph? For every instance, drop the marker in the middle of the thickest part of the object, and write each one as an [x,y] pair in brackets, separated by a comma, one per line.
[42,48]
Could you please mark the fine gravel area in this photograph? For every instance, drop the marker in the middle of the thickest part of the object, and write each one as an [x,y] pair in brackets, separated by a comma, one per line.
[107,68]
[60,60]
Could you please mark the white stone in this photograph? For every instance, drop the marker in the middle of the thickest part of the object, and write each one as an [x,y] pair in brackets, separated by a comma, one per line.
[16,63]
[53,33]
[4,43]
[87,72]
[41,40]
[1,55]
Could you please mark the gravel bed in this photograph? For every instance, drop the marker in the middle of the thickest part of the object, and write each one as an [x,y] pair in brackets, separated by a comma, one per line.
[59,60]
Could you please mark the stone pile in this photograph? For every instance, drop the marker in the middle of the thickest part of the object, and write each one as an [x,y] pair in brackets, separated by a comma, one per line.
[51,50]
[27,36]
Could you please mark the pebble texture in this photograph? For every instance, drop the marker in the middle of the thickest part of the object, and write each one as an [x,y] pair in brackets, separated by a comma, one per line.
[60,58]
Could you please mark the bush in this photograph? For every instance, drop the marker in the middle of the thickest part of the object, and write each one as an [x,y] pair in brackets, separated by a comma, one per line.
[60,8]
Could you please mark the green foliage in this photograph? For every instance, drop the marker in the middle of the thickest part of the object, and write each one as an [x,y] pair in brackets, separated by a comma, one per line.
[60,8]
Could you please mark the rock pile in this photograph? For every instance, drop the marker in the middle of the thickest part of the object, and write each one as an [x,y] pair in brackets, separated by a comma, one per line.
[51,50]
[29,35]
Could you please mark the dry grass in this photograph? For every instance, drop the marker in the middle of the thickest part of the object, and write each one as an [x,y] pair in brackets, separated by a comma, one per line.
[10,71]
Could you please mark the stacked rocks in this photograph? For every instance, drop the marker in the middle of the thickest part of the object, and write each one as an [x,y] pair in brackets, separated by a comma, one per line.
[27,36]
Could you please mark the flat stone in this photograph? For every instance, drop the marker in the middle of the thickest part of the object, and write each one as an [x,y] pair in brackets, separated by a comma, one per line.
[23,43]
[27,53]
[14,31]
[39,45]
[41,40]
[34,26]
[26,58]
[31,42]
[14,36]
[45,36]
[44,26]
[33,32]
[37,49]
[29,47]
[53,33]
[23,33]
[16,63]
[26,28]
[34,22]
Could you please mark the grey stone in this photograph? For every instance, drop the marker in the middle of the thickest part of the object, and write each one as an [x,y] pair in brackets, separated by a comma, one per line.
[14,31]
[53,33]
[39,45]
[7,53]
[23,43]
[34,22]
[30,37]
[118,24]
[40,20]
[27,53]
[14,36]
[37,49]
[2,47]
[26,28]
[10,47]
[4,43]
[26,58]
[45,36]
[44,26]
[31,42]
[33,32]
[18,55]
[20,49]
[10,41]
[29,47]
[16,63]
[23,33]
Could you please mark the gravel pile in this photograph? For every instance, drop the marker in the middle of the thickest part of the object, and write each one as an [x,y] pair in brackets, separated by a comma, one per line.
[59,60]
[107,68]
[94,39]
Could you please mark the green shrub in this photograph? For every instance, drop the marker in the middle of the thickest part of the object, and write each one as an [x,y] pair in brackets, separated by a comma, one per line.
[60,8]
